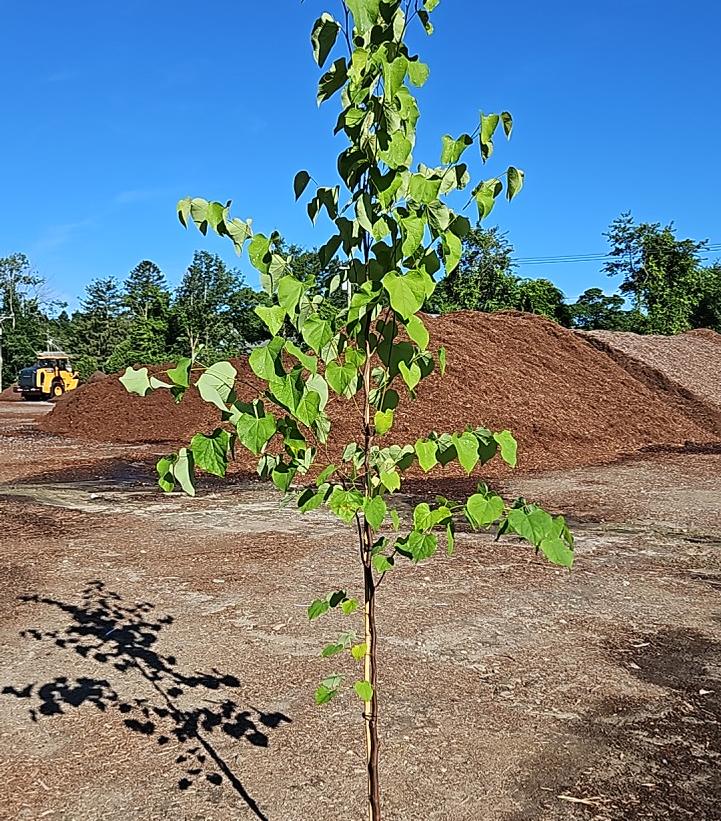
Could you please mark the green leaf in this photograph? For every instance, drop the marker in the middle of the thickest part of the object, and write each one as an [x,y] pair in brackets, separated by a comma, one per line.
[358,651]
[259,253]
[374,511]
[426,452]
[325,474]
[483,510]
[216,383]
[332,650]
[333,80]
[413,231]
[418,332]
[394,74]
[489,123]
[406,297]
[136,381]
[316,333]
[533,525]
[210,453]
[396,519]
[308,409]
[557,552]
[421,546]
[323,37]
[327,689]
[422,517]
[442,360]
[508,447]
[310,363]
[507,121]
[255,431]
[308,500]
[272,315]
[453,149]
[318,608]
[452,251]
[411,375]
[343,379]
[515,179]
[336,598]
[180,374]
[264,361]
[300,183]
[450,538]
[315,382]
[183,471]
[390,480]
[382,564]
[424,190]
[290,291]
[383,422]
[364,690]
[485,195]
[345,503]
[164,468]
[349,606]
[365,13]
[467,450]
[418,73]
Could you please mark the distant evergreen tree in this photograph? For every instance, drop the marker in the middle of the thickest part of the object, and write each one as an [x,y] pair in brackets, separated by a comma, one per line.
[99,326]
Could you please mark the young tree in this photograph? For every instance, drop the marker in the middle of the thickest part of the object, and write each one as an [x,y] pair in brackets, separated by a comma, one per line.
[395,230]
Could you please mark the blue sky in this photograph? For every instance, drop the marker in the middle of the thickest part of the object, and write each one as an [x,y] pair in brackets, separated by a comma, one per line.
[112,111]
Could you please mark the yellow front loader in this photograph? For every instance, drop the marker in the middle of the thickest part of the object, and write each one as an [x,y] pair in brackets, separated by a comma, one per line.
[51,376]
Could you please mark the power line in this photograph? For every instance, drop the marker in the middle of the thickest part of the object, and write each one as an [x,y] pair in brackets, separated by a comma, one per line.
[598,257]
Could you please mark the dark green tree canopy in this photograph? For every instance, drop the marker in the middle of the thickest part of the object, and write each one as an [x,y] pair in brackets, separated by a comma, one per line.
[660,272]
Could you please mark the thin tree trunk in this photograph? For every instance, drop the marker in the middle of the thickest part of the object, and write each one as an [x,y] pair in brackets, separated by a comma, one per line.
[371,707]
[370,712]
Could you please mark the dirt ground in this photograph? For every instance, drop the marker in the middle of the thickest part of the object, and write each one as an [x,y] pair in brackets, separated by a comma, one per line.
[157,662]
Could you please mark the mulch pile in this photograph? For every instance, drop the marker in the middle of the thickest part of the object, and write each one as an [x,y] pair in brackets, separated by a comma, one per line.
[686,368]
[566,402]
[9,395]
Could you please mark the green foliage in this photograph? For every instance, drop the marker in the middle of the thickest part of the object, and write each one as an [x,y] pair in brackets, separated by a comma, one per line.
[660,272]
[23,325]
[594,310]
[707,311]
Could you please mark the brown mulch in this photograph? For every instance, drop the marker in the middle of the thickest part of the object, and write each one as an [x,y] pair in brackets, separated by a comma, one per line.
[9,395]
[687,367]
[566,402]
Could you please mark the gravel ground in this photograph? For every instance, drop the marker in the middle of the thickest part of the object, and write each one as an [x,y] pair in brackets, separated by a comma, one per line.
[157,662]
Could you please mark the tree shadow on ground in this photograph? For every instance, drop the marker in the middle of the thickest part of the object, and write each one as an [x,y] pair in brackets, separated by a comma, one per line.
[111,631]
[641,757]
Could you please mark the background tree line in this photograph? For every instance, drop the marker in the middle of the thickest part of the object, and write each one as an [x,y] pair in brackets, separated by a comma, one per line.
[664,288]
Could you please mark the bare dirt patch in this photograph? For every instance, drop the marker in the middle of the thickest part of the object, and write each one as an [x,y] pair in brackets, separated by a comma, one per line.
[157,661]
